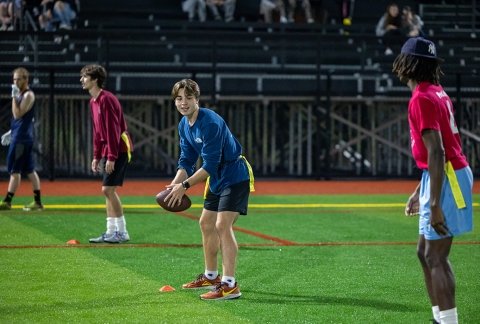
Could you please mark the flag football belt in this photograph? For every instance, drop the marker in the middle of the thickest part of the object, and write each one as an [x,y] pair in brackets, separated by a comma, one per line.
[125,139]
[456,191]
[250,174]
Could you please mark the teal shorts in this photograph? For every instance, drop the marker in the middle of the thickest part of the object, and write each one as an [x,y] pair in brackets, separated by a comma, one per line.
[457,220]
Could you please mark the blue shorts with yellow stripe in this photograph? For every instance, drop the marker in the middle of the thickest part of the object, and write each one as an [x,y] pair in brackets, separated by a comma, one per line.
[456,202]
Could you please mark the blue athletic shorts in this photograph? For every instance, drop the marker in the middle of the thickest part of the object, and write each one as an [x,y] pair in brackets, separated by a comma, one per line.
[457,220]
[233,198]
[20,158]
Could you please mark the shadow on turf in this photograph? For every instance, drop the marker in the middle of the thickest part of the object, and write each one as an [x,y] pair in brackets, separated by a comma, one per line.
[277,298]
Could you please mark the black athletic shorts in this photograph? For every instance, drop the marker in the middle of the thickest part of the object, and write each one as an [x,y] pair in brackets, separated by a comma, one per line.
[233,198]
[116,177]
[20,158]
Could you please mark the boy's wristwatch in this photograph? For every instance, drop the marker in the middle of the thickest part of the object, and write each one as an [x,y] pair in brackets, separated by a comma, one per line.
[185,185]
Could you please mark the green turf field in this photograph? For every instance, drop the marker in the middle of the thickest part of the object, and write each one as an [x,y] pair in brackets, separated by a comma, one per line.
[303,259]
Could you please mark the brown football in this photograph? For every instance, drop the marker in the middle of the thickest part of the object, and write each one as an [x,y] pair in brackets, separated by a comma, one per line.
[185,203]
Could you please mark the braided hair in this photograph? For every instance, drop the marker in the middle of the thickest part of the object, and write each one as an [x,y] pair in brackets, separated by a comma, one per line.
[417,68]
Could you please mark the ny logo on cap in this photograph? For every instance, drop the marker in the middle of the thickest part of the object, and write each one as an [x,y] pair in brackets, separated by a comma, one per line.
[431,49]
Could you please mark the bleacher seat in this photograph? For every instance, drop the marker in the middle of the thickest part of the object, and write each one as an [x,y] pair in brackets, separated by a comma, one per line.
[141,43]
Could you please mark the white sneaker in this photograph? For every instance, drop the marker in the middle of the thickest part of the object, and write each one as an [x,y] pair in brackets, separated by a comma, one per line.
[101,238]
[124,237]
[117,237]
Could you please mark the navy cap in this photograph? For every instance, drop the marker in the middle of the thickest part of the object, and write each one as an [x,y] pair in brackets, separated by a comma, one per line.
[419,46]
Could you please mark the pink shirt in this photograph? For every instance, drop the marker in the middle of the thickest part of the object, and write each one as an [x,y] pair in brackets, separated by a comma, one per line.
[108,126]
[431,108]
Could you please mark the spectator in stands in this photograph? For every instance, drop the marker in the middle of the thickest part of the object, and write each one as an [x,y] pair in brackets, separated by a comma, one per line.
[268,6]
[334,11]
[228,7]
[307,7]
[412,23]
[45,18]
[346,11]
[192,7]
[61,12]
[5,14]
[389,27]
[10,10]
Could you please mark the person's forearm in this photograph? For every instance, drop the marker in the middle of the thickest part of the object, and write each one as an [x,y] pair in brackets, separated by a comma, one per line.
[180,176]
[16,112]
[199,176]
[436,170]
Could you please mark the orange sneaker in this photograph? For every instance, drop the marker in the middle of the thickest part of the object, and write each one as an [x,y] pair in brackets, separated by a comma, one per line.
[202,282]
[222,291]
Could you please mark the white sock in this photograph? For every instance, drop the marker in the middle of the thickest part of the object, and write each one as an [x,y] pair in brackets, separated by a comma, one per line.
[436,313]
[121,224]
[229,280]
[111,226]
[211,274]
[449,316]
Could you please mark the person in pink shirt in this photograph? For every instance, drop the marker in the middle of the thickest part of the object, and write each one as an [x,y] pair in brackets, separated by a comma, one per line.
[112,149]
[443,198]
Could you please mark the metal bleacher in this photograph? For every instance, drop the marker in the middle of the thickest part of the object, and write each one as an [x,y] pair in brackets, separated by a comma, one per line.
[132,42]
[308,99]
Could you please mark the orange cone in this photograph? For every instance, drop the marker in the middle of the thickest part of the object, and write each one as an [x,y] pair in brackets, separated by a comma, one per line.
[167,288]
[73,242]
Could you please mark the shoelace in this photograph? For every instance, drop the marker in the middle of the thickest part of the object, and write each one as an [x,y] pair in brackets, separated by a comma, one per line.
[218,287]
[199,278]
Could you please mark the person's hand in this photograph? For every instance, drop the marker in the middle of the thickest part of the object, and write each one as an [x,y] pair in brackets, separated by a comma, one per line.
[176,193]
[437,221]
[109,167]
[6,138]
[95,165]
[15,91]
[413,205]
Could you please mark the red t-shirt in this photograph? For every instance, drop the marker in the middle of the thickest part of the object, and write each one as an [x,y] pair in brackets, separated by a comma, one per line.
[108,126]
[431,108]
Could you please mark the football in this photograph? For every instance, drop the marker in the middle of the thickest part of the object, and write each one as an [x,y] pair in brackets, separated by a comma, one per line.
[184,204]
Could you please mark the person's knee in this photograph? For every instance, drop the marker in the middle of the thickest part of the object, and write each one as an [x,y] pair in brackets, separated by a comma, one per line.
[206,225]
[15,176]
[220,227]
[421,255]
[108,191]
[421,250]
[224,226]
[59,5]
[434,259]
